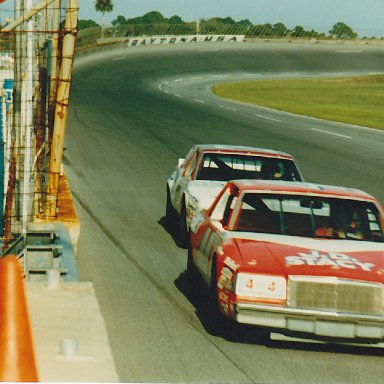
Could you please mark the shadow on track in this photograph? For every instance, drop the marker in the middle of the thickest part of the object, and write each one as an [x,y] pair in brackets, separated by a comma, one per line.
[213,322]
[172,230]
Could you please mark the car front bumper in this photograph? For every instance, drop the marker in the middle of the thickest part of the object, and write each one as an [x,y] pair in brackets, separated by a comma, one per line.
[317,323]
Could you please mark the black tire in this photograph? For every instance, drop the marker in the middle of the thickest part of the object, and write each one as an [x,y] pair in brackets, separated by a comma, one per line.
[193,282]
[218,317]
[227,327]
[183,234]
[169,211]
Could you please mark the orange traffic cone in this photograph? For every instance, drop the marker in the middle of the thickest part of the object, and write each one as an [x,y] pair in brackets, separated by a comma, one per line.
[17,360]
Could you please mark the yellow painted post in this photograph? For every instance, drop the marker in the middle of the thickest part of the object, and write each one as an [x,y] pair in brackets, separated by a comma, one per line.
[62,105]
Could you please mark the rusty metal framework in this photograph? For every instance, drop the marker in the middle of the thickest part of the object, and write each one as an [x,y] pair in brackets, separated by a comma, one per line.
[37,38]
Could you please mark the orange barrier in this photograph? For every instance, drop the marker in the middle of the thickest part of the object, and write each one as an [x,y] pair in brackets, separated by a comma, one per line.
[17,360]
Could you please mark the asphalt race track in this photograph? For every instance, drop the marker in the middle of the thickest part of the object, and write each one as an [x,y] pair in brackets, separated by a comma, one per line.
[133,113]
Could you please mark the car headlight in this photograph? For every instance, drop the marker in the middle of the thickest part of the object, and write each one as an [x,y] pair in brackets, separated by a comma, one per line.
[261,287]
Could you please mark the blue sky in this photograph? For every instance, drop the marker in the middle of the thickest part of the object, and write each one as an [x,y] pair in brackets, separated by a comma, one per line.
[366,17]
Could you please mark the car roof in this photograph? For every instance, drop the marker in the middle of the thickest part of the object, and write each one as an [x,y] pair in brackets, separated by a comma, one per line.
[289,187]
[241,149]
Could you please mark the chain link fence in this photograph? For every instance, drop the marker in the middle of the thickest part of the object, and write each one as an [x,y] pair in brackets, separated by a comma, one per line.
[31,57]
[99,35]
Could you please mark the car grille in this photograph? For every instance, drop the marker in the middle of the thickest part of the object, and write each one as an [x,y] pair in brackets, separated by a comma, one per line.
[336,295]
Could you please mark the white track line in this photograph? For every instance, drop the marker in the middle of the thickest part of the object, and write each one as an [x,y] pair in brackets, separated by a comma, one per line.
[268,118]
[331,133]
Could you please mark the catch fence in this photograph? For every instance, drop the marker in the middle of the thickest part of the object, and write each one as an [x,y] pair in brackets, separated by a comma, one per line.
[98,35]
[33,46]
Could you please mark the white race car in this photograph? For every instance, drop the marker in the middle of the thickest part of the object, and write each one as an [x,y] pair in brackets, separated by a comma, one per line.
[199,178]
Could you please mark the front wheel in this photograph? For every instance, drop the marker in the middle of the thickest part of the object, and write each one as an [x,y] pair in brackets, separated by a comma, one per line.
[227,327]
[218,319]
[193,279]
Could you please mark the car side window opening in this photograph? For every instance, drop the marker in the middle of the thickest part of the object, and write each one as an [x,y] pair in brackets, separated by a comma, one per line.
[225,167]
[224,207]
[190,165]
[232,200]
[330,218]
[218,211]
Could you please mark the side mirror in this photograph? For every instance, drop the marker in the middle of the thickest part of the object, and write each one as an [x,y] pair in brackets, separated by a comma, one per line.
[181,161]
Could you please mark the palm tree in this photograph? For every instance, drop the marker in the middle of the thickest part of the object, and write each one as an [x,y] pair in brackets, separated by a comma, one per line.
[103,6]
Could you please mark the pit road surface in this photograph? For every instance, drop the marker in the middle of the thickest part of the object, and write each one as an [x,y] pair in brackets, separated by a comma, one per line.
[133,113]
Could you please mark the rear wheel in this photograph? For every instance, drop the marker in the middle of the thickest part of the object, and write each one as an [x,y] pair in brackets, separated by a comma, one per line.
[169,211]
[183,235]
[193,278]
[213,286]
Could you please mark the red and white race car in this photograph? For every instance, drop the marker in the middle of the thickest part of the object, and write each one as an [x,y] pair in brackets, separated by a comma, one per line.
[297,258]
[199,177]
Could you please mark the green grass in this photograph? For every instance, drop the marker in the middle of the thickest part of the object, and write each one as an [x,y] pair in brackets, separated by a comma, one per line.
[354,100]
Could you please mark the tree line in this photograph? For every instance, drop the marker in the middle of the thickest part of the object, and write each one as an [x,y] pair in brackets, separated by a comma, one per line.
[218,25]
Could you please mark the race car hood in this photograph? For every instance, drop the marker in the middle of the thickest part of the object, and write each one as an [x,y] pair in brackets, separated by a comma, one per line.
[205,191]
[290,255]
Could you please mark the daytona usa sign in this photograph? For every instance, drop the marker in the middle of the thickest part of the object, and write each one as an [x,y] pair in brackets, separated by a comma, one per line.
[159,40]
[333,259]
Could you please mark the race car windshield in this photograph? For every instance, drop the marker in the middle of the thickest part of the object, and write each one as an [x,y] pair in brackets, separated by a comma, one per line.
[329,218]
[224,167]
